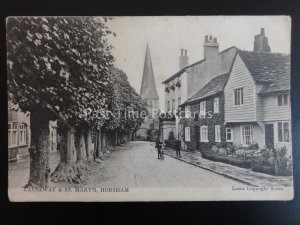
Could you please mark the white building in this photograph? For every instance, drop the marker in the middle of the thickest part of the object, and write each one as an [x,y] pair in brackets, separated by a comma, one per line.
[191,78]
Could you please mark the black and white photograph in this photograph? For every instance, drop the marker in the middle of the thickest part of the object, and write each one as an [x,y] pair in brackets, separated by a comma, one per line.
[149,108]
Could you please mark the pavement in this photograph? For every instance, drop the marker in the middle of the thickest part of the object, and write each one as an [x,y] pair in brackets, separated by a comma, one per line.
[246,176]
[18,173]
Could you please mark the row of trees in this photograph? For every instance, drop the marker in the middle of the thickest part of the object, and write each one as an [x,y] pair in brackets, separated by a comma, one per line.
[62,69]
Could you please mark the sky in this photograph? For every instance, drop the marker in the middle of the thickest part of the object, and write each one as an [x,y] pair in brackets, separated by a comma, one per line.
[167,35]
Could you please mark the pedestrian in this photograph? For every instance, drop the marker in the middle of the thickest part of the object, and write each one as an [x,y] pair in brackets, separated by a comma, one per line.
[177,149]
[159,147]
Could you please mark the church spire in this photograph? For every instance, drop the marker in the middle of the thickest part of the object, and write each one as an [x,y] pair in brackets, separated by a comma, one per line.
[148,88]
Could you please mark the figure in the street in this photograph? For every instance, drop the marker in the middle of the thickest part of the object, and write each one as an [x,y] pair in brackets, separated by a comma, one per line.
[159,146]
[177,149]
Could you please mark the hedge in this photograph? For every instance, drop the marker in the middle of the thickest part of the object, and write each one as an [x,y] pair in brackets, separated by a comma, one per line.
[244,163]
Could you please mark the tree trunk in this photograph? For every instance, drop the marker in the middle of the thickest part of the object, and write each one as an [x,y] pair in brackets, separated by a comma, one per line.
[111,139]
[39,151]
[116,138]
[88,144]
[80,147]
[104,140]
[67,169]
[98,144]
[95,144]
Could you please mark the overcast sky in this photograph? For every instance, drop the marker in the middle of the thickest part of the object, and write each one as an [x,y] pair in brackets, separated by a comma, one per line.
[167,35]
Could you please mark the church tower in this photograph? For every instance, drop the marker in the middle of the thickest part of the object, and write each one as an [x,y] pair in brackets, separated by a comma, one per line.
[148,88]
[150,126]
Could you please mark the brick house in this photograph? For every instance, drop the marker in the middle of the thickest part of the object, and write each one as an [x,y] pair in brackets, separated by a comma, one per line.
[204,126]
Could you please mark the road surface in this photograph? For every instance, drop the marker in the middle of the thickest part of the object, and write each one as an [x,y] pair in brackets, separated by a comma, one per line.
[136,165]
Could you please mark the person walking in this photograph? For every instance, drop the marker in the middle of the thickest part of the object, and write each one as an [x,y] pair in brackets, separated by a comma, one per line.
[177,149]
[159,148]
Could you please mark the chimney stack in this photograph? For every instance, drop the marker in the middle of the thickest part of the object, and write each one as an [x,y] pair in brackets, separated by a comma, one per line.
[261,42]
[211,47]
[183,59]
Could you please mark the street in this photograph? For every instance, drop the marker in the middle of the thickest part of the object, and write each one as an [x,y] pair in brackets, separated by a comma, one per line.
[135,164]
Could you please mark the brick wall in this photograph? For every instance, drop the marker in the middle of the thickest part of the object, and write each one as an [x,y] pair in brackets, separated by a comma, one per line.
[216,119]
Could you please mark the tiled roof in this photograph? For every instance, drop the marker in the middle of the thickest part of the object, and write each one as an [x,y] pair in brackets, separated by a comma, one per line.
[267,67]
[213,87]
[196,63]
[282,82]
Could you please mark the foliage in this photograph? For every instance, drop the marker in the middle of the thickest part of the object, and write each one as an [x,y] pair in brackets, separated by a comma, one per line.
[171,136]
[253,146]
[59,65]
[229,159]
[125,103]
[149,134]
[229,154]
[273,161]
[230,148]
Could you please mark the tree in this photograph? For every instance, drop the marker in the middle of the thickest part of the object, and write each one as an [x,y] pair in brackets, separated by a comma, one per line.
[127,106]
[57,68]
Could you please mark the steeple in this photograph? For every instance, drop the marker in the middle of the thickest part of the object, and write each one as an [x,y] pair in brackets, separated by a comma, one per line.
[148,88]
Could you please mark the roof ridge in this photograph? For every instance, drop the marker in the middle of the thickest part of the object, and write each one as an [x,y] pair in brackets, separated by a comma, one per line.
[205,86]
[268,53]
[200,61]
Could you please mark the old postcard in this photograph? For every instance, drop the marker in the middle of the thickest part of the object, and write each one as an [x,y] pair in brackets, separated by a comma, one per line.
[162,108]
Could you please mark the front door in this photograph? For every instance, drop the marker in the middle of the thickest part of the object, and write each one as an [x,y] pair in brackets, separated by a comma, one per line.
[269,135]
[197,137]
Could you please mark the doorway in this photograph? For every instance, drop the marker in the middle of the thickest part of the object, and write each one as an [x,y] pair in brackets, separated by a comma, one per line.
[269,135]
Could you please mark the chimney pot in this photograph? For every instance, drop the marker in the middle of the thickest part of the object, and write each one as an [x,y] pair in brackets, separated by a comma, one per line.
[183,59]
[211,47]
[206,38]
[261,42]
